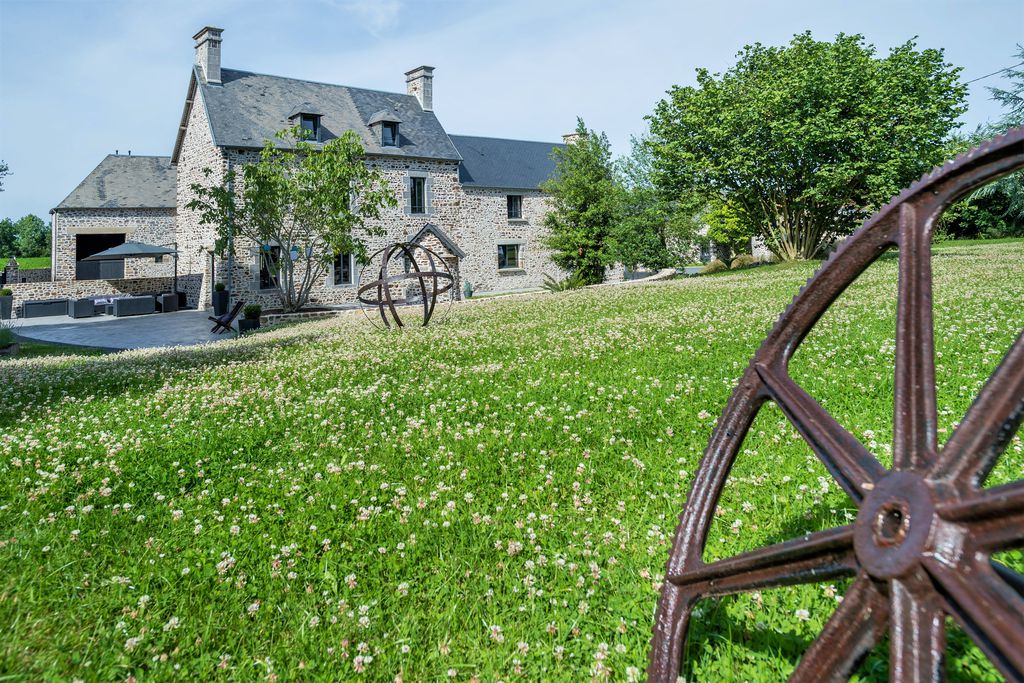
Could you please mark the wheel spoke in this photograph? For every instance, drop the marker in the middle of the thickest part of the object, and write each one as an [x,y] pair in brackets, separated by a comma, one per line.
[814,557]
[917,633]
[915,413]
[850,463]
[854,628]
[988,426]
[989,611]
[994,517]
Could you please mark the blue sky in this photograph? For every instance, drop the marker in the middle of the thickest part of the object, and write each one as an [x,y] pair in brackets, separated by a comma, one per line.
[81,78]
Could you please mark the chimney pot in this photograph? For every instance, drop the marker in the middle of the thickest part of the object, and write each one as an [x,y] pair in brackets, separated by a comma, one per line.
[208,42]
[419,82]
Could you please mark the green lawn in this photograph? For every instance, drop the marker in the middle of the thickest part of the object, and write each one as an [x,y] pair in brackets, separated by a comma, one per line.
[29,262]
[490,497]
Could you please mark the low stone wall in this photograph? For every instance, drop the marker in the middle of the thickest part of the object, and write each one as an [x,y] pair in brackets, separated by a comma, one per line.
[17,275]
[77,289]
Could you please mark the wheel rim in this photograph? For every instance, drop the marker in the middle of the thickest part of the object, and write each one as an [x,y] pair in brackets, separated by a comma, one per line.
[920,547]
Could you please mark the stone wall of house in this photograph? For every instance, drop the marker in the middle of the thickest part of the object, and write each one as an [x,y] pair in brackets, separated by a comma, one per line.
[485,224]
[77,289]
[149,226]
[194,239]
[443,210]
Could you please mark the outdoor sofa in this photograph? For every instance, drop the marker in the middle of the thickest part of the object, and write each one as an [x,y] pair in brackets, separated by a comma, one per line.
[42,308]
[81,308]
[134,305]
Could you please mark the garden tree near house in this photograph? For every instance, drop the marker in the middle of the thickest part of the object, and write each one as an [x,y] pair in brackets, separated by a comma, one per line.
[805,141]
[297,198]
[33,236]
[639,236]
[584,202]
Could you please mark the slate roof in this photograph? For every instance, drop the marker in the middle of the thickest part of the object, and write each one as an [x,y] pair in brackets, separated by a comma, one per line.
[249,108]
[506,164]
[126,182]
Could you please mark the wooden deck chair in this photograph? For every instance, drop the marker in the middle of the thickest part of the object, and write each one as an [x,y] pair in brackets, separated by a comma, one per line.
[223,322]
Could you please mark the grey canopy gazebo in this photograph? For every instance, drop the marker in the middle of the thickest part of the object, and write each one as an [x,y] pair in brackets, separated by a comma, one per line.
[139,250]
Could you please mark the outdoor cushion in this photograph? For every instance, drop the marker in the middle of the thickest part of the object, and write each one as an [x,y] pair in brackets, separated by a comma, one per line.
[81,308]
[134,305]
[44,307]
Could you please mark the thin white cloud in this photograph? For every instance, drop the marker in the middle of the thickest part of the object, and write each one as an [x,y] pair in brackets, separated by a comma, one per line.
[375,16]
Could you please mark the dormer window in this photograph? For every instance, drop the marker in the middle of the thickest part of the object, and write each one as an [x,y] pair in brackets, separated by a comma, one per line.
[389,134]
[307,117]
[384,125]
[311,123]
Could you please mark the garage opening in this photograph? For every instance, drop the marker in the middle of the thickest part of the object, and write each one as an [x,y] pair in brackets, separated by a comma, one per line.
[86,246]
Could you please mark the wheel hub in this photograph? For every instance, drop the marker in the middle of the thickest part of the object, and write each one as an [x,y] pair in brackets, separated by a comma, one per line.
[894,527]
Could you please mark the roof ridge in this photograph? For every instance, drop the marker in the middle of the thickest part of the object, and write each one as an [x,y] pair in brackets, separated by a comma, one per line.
[140,156]
[306,80]
[491,137]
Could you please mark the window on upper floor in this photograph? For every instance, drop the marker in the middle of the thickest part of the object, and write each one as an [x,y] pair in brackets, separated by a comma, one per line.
[515,206]
[417,194]
[510,256]
[343,271]
[311,124]
[389,134]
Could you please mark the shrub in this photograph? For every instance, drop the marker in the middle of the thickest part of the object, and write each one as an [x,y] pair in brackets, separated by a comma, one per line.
[743,261]
[252,311]
[715,266]
[6,335]
[6,291]
[219,287]
[574,281]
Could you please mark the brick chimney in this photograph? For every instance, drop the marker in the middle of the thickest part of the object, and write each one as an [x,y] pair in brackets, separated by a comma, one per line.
[208,52]
[571,138]
[420,83]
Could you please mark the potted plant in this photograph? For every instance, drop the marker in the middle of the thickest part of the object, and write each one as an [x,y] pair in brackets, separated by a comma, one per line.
[6,303]
[250,318]
[467,289]
[8,344]
[220,299]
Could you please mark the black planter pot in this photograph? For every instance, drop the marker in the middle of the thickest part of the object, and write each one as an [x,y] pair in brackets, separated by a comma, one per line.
[220,302]
[246,325]
[6,303]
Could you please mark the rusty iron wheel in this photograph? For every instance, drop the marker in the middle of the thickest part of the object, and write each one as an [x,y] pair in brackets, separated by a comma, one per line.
[920,547]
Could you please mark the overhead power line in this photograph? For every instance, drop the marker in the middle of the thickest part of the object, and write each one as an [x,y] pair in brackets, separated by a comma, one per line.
[994,73]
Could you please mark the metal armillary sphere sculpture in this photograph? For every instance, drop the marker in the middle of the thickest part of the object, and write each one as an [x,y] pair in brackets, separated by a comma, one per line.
[406,274]
[921,545]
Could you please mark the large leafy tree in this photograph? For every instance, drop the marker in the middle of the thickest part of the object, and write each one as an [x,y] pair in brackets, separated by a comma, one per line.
[584,206]
[8,241]
[805,140]
[298,199]
[640,235]
[33,236]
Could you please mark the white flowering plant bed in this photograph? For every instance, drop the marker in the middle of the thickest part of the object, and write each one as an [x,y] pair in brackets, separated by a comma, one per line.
[492,498]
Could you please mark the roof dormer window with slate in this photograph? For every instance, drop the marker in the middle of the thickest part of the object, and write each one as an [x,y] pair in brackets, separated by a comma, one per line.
[307,117]
[384,124]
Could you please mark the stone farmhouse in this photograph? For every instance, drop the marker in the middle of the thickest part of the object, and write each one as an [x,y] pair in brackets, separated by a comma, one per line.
[474,200]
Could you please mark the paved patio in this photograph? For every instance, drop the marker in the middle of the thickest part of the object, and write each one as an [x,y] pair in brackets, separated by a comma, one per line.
[136,332]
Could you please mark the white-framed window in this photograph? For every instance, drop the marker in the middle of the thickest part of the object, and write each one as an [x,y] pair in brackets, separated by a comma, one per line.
[510,255]
[515,206]
[343,271]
